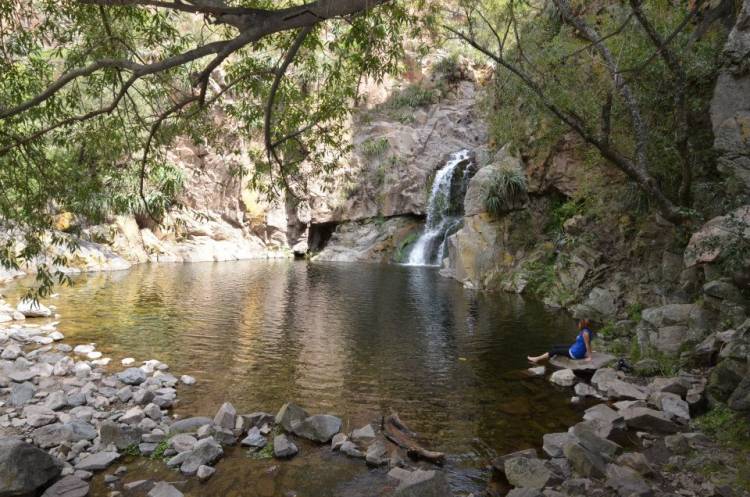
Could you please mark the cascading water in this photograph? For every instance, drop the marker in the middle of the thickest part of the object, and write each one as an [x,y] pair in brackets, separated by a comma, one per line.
[429,247]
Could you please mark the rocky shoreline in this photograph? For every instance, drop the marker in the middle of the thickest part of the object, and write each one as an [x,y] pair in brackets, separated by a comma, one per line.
[66,414]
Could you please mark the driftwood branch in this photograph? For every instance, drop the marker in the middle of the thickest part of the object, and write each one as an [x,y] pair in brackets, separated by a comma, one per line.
[397,432]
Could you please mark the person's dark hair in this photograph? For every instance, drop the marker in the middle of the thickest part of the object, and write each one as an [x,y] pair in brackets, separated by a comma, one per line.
[585,324]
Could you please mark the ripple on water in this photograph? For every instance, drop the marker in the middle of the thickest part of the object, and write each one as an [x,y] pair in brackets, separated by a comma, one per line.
[354,340]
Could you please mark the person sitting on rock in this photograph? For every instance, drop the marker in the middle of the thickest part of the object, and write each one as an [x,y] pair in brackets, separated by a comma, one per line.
[581,349]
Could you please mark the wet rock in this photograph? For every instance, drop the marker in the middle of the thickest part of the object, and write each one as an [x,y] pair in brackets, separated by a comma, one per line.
[247,421]
[205,472]
[164,489]
[254,438]
[188,425]
[183,442]
[25,469]
[187,380]
[31,309]
[643,418]
[138,485]
[283,447]
[98,461]
[69,486]
[627,482]
[536,372]
[226,416]
[420,483]
[364,434]
[563,377]
[530,472]
[376,455]
[318,428]
[337,441]
[351,450]
[147,448]
[289,414]
[132,376]
[205,452]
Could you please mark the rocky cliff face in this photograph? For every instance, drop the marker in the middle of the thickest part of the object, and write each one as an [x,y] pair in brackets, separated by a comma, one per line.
[730,108]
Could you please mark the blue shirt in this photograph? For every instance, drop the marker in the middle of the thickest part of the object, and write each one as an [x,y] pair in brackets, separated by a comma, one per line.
[578,349]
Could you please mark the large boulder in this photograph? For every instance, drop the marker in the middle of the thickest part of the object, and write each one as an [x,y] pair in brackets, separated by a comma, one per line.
[650,420]
[121,436]
[226,417]
[132,376]
[205,452]
[25,469]
[481,182]
[290,414]
[33,309]
[70,486]
[724,379]
[719,238]
[318,428]
[188,425]
[599,306]
[57,433]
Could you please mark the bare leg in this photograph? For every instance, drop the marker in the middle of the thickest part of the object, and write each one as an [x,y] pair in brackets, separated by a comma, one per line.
[538,358]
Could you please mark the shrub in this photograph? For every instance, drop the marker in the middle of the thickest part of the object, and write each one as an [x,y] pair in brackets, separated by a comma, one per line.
[412,96]
[506,192]
[372,147]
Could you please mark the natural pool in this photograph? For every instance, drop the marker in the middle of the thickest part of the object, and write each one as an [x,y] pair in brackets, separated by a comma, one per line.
[354,340]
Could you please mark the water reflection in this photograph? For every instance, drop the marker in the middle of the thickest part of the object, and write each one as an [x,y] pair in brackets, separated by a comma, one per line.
[355,340]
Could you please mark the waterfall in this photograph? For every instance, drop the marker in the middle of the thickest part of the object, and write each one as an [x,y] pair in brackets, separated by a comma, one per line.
[429,247]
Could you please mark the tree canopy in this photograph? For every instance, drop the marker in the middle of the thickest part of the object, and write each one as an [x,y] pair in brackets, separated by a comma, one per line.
[92,90]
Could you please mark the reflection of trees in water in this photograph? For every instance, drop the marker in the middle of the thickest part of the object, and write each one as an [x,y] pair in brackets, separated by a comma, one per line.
[350,339]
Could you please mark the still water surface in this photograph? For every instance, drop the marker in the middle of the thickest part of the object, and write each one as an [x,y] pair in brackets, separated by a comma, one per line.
[355,340]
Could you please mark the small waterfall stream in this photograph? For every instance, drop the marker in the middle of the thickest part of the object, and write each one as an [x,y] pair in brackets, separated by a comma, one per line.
[429,247]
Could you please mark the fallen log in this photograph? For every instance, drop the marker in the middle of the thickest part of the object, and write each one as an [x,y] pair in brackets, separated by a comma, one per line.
[397,432]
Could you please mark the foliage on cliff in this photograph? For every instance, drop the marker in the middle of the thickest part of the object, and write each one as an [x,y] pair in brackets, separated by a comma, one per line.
[632,79]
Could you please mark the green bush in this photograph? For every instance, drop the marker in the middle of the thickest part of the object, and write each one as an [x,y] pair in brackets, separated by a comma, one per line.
[412,96]
[373,147]
[506,191]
